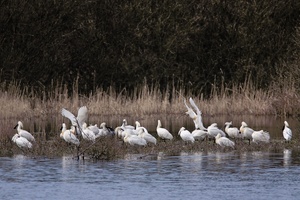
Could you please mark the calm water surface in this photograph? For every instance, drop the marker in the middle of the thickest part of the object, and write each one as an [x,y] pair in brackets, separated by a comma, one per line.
[204,175]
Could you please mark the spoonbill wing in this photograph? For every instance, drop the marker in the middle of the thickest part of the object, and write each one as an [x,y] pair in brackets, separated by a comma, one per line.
[82,115]
[199,114]
[69,115]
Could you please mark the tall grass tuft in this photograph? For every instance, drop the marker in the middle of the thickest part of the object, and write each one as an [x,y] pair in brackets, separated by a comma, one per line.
[149,99]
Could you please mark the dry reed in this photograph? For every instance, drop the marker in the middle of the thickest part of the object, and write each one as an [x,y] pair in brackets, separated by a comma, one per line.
[147,100]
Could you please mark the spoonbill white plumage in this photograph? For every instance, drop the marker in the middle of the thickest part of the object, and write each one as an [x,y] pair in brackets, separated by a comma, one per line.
[143,133]
[199,115]
[95,129]
[224,141]
[232,132]
[213,131]
[134,139]
[246,132]
[197,118]
[21,142]
[24,133]
[199,134]
[87,134]
[260,136]
[78,121]
[162,132]
[69,135]
[287,132]
[186,135]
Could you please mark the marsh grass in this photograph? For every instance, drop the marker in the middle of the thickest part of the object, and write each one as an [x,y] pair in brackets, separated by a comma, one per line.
[147,100]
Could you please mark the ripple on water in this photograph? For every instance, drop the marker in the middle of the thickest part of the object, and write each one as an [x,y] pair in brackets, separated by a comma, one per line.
[202,175]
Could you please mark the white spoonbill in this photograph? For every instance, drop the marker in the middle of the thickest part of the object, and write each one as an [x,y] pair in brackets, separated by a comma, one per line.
[260,136]
[224,141]
[287,132]
[69,135]
[197,118]
[199,134]
[24,133]
[199,115]
[78,121]
[143,133]
[213,131]
[162,132]
[87,134]
[21,142]
[186,135]
[134,139]
[232,132]
[246,132]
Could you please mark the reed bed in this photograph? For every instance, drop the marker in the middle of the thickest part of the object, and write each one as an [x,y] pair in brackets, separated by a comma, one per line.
[16,103]
[147,100]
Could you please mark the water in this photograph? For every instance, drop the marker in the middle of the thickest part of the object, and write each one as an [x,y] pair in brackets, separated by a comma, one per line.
[203,175]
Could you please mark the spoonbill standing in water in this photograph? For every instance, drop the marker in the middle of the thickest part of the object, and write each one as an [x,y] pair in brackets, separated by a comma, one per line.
[287,132]
[24,133]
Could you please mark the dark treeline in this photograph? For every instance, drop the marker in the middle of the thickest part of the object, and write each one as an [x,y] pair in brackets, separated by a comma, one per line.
[174,43]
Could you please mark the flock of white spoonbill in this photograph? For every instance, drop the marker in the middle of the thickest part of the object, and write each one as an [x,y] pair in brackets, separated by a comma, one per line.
[138,135]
